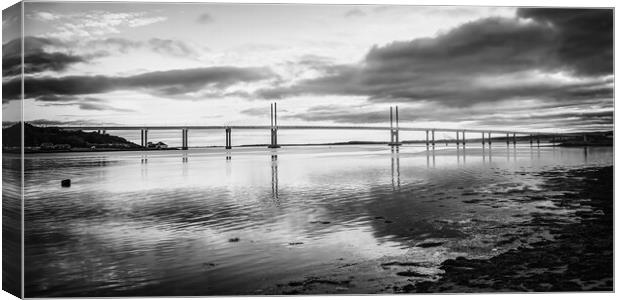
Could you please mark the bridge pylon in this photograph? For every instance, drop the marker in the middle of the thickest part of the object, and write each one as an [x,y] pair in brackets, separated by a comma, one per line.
[274,127]
[394,141]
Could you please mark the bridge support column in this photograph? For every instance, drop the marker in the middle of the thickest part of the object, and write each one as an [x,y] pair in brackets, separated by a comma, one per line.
[228,138]
[507,138]
[514,138]
[144,137]
[538,141]
[426,139]
[463,137]
[531,141]
[483,139]
[184,142]
[274,127]
[433,137]
[585,138]
[394,141]
[103,132]
[457,137]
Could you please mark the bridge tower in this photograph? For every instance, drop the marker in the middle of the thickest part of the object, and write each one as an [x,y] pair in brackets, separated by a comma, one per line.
[274,126]
[394,129]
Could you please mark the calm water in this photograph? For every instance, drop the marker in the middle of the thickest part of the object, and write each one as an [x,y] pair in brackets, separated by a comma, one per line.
[211,221]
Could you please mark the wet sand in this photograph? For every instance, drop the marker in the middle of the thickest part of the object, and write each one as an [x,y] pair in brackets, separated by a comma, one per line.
[576,257]
[580,258]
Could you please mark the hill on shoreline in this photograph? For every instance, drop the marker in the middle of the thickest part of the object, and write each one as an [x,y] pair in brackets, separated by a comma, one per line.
[35,136]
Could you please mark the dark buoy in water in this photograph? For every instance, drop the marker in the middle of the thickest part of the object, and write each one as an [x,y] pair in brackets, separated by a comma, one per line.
[65,183]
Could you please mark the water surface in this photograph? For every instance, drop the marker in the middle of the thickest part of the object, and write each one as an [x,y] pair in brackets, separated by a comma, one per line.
[252,220]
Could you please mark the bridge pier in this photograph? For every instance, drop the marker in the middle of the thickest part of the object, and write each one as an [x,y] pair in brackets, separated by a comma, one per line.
[433,137]
[507,138]
[426,139]
[228,138]
[514,138]
[483,139]
[457,138]
[274,127]
[463,138]
[531,141]
[538,141]
[184,142]
[585,138]
[489,134]
[394,141]
[144,133]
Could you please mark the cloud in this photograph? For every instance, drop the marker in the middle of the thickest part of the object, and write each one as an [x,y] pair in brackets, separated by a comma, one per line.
[487,60]
[204,18]
[92,23]
[48,54]
[82,122]
[83,103]
[171,47]
[584,36]
[354,13]
[534,115]
[162,46]
[36,60]
[256,111]
[171,82]
[111,44]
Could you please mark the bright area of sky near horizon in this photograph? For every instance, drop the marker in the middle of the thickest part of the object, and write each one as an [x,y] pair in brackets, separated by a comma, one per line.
[218,64]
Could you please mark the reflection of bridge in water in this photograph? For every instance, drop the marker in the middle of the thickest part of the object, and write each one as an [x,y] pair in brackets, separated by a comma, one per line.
[486,155]
[485,137]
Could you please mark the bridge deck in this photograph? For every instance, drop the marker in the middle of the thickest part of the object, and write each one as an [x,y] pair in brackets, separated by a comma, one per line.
[299,127]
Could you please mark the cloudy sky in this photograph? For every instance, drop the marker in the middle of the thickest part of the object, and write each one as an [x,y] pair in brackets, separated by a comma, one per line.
[216,64]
